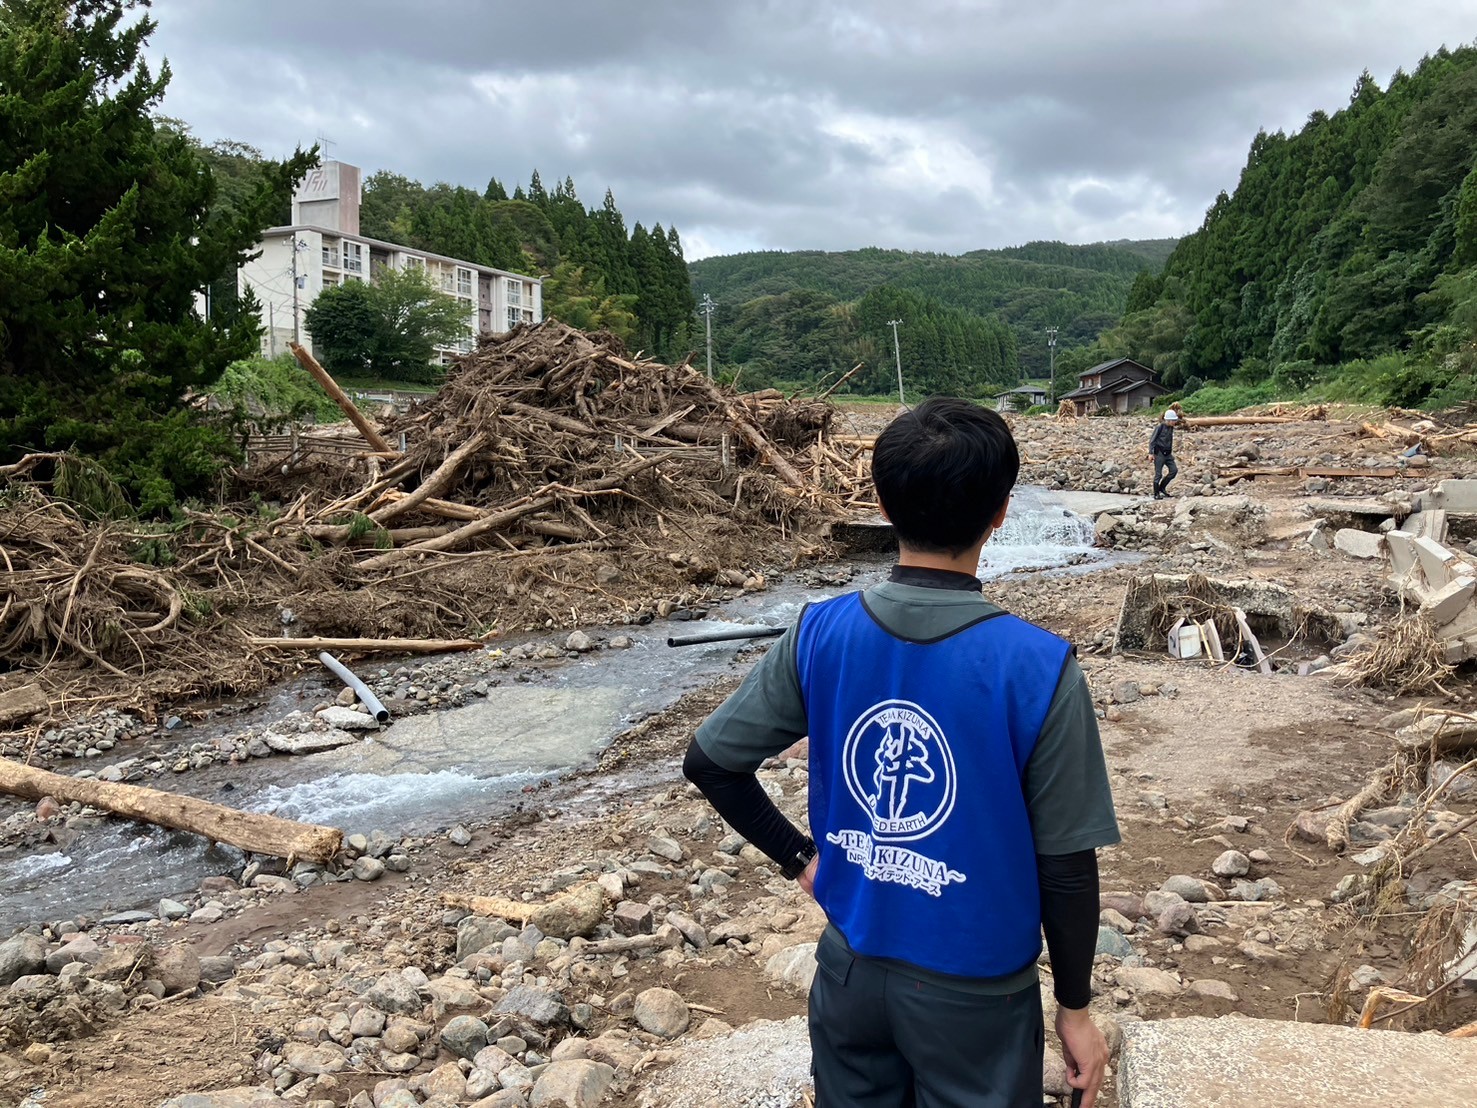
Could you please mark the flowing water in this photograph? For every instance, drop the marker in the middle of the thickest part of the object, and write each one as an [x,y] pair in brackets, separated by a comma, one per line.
[429,771]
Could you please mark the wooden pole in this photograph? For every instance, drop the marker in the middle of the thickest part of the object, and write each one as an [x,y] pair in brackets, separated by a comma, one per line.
[260,834]
[341,398]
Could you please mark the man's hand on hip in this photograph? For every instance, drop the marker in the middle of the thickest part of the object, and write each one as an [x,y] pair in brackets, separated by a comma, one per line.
[806,880]
[1084,1050]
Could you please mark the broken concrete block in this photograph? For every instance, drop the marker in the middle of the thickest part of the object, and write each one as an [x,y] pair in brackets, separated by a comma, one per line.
[1435,560]
[1401,546]
[1358,544]
[1430,524]
[1458,496]
[1142,624]
[1443,605]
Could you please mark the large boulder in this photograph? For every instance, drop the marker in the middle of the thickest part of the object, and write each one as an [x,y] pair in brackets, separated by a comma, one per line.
[20,956]
[573,1083]
[662,1012]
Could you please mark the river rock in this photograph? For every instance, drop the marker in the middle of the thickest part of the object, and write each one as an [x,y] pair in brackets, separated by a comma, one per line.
[1219,990]
[178,969]
[1156,902]
[217,968]
[1112,943]
[1127,692]
[79,948]
[475,934]
[1148,981]
[367,1023]
[1313,826]
[793,967]
[1190,889]
[632,918]
[572,1083]
[1177,919]
[392,993]
[664,847]
[576,913]
[445,1081]
[464,1036]
[662,1012]
[348,719]
[309,742]
[1128,905]
[1231,863]
[368,869]
[542,1007]
[172,909]
[247,1096]
[579,642]
[314,1059]
[1054,1074]
[401,1037]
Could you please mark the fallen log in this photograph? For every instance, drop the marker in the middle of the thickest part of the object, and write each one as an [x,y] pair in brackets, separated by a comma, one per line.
[341,398]
[1239,421]
[251,831]
[492,521]
[666,936]
[751,434]
[21,704]
[437,483]
[366,646]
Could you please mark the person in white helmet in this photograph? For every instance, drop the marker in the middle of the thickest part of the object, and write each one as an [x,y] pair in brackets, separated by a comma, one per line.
[1161,449]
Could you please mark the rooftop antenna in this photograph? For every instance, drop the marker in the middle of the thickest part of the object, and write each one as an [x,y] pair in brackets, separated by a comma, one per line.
[325,144]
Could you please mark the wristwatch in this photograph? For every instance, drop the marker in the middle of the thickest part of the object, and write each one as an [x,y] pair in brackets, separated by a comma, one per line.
[796,865]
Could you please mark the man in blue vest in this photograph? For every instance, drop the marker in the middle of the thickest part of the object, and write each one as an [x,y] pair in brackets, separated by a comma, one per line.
[958,794]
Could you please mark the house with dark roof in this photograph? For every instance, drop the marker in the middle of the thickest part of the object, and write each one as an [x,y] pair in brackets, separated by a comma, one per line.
[1020,398]
[1121,386]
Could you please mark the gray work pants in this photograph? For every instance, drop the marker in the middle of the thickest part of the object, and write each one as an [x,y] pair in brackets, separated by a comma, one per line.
[1161,463]
[881,1039]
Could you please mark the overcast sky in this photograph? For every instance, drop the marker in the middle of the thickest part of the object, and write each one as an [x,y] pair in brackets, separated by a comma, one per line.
[793,124]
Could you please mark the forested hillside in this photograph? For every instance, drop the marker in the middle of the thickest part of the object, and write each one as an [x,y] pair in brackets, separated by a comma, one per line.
[1351,242]
[970,321]
[634,284]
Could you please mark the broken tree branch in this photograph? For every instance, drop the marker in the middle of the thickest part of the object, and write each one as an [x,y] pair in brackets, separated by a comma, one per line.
[341,398]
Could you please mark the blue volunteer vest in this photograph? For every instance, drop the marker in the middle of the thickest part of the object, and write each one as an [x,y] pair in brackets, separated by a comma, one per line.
[917,755]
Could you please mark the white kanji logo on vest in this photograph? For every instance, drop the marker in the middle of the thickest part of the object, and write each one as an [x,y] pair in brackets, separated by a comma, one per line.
[900,770]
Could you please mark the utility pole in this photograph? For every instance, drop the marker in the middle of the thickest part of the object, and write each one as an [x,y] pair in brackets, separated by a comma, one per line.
[897,351]
[1051,379]
[706,307]
[296,335]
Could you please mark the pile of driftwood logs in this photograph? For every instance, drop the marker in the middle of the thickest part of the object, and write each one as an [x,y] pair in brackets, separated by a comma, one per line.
[550,433]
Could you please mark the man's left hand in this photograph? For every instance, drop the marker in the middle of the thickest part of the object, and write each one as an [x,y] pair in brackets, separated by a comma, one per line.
[806,880]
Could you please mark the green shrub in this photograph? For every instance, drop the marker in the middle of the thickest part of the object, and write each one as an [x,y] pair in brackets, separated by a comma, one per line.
[1225,399]
[271,392]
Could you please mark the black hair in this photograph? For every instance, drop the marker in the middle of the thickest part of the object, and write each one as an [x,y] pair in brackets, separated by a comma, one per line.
[942,472]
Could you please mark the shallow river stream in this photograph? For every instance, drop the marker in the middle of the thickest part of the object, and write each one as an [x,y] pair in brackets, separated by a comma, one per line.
[426,772]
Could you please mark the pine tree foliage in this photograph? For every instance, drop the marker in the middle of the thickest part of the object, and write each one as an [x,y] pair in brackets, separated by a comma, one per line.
[106,237]
[638,273]
[1337,237]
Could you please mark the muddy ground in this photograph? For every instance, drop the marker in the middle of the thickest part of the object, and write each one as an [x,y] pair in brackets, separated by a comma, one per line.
[1203,760]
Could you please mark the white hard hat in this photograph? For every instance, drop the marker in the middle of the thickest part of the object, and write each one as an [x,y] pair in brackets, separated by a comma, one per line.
[1171,415]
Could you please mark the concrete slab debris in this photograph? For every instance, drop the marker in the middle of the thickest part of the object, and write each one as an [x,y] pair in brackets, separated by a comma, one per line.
[1455,495]
[1236,1061]
[1358,544]
[1442,585]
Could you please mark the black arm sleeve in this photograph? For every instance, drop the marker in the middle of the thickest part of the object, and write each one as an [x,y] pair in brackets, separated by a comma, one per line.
[742,801]
[1069,916]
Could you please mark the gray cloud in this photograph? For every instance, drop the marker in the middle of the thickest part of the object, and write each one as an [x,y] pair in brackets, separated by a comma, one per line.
[932,125]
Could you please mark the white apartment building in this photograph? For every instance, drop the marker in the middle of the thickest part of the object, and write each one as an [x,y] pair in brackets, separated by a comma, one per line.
[322,248]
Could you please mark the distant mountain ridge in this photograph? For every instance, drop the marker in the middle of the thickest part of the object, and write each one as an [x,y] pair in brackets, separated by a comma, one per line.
[1080,289]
